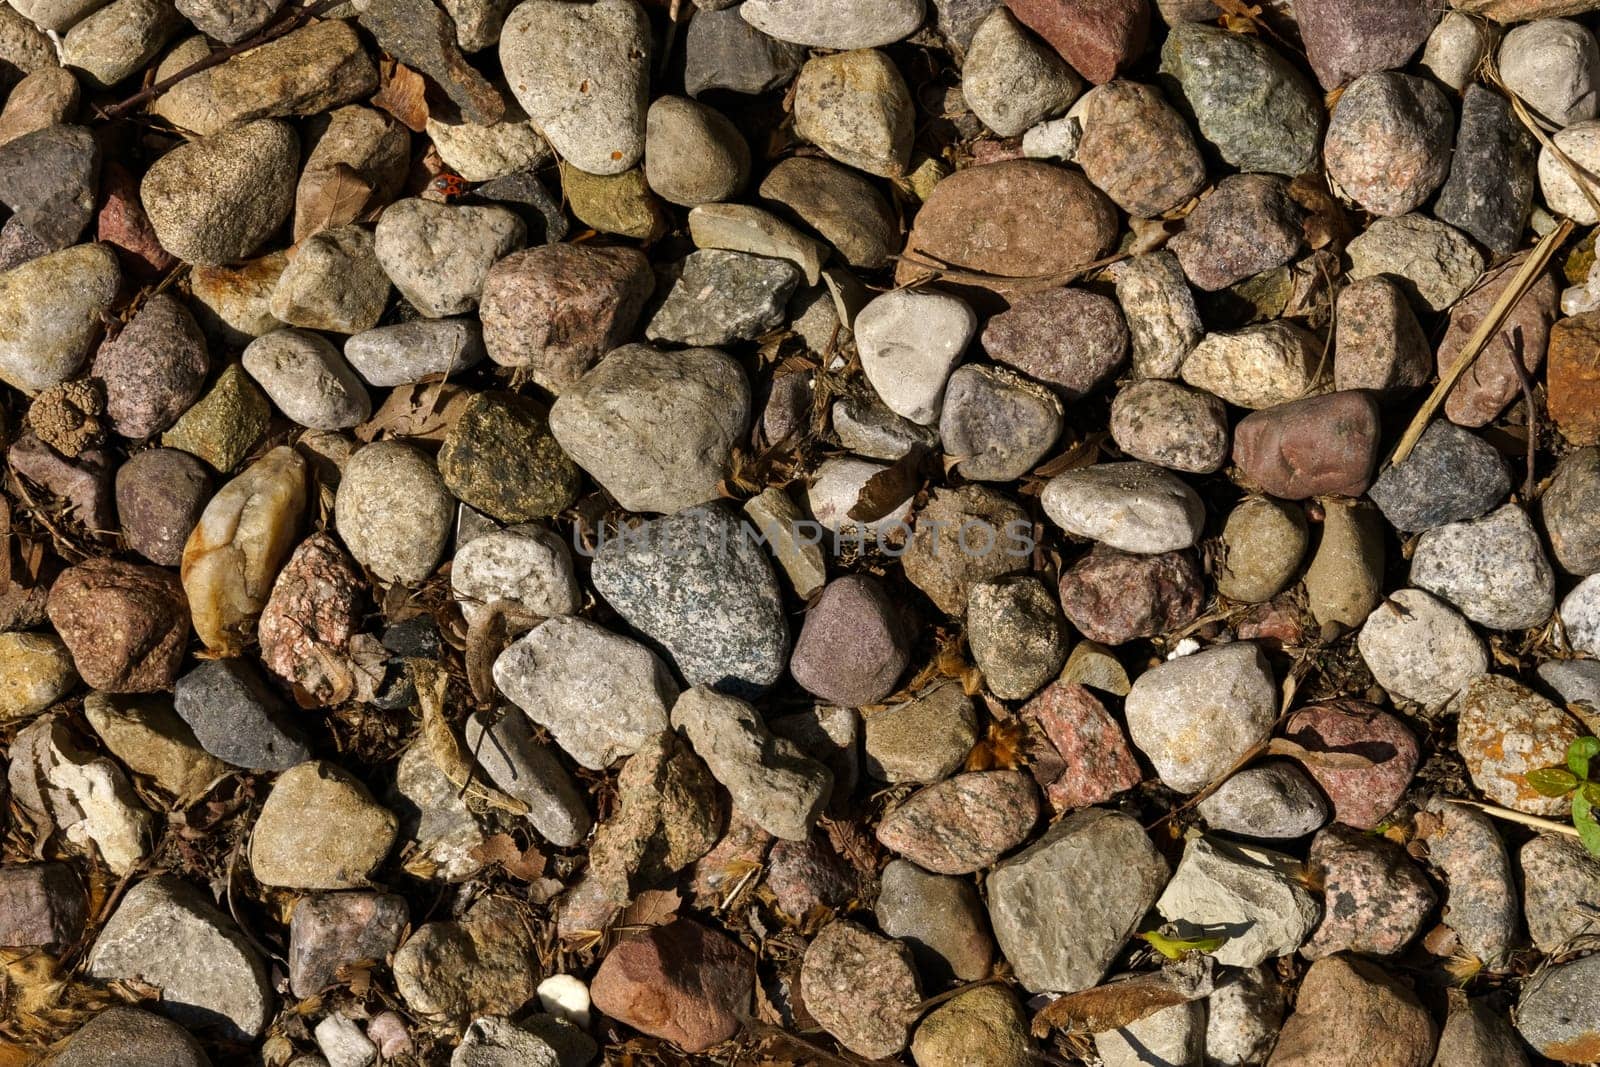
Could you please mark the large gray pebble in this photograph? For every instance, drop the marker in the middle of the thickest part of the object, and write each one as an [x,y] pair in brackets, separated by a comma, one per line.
[1012,80]
[438,255]
[1134,507]
[334,282]
[393,512]
[1420,648]
[237,717]
[1559,1015]
[997,423]
[1493,569]
[1225,695]
[526,569]
[215,200]
[1270,800]
[832,24]
[1554,66]
[720,297]
[410,351]
[693,153]
[523,768]
[909,342]
[1253,893]
[307,379]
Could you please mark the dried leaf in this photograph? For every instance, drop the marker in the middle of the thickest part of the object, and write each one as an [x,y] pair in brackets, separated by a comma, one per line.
[329,197]
[1083,454]
[1118,1004]
[426,411]
[1325,223]
[653,907]
[486,639]
[404,94]
[447,751]
[522,864]
[890,487]
[1000,749]
[1328,761]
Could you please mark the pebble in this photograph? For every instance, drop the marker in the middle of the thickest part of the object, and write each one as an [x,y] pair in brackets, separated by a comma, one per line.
[127,624]
[693,153]
[165,934]
[982,1025]
[1225,694]
[1098,39]
[1070,339]
[1419,648]
[1576,683]
[147,736]
[1580,615]
[1490,189]
[1017,634]
[996,423]
[1556,1014]
[333,283]
[1504,730]
[841,205]
[393,512]
[1567,506]
[41,905]
[1322,445]
[1375,897]
[720,297]
[1559,878]
[1248,224]
[1256,367]
[1344,582]
[819,24]
[861,988]
[523,571]
[319,829]
[1580,143]
[1163,322]
[1078,753]
[938,917]
[1251,105]
[582,75]
[1481,905]
[38,672]
[1554,66]
[1174,1034]
[853,646]
[1572,377]
[723,51]
[1132,507]
[307,379]
[328,931]
[233,304]
[236,717]
[1388,142]
[681,982]
[925,739]
[855,107]
[741,228]
[1350,1011]
[500,457]
[803,875]
[43,98]
[1252,894]
[1264,542]
[1115,597]
[47,341]
[962,824]
[1347,40]
[48,179]
[1378,344]
[835,490]
[566,997]
[866,427]
[408,352]
[526,770]
[1063,907]
[1243,1016]
[1455,48]
[1137,149]
[909,342]
[234,552]
[483,152]
[1011,80]
[439,255]
[1475,1033]
[1452,475]
[154,369]
[480,964]
[775,516]
[118,40]
[1434,263]
[1493,569]
[121,1035]
[1273,800]
[1492,381]
[215,200]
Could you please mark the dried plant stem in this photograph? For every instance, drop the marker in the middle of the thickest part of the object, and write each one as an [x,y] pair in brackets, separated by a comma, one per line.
[1517,817]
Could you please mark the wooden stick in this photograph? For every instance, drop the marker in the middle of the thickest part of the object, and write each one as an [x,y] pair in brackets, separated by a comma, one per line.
[1517,817]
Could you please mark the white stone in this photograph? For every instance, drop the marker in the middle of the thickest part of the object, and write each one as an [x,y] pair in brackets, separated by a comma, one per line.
[343,1044]
[527,569]
[567,997]
[1420,648]
[1554,65]
[1253,894]
[829,24]
[1195,717]
[1243,1016]
[1493,569]
[410,351]
[483,153]
[96,807]
[1455,48]
[742,228]
[307,379]
[1134,507]
[836,488]
[1172,1035]
[1562,194]
[1259,366]
[909,342]
[438,255]
[1055,139]
[1580,614]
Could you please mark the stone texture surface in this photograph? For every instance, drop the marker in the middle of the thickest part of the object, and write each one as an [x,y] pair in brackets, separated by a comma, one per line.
[964,823]
[681,981]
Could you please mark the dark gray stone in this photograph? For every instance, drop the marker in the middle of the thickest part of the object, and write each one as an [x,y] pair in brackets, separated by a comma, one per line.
[1568,508]
[419,34]
[1476,1035]
[48,179]
[720,297]
[1451,476]
[525,188]
[723,51]
[997,423]
[958,20]
[237,718]
[1490,187]
[867,427]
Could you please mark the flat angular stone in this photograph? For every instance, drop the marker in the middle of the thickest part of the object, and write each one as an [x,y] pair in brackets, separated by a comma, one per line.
[1251,893]
[962,824]
[328,931]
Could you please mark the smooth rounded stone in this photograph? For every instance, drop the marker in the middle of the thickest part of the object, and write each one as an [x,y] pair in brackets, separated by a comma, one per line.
[655,429]
[481,964]
[127,624]
[1575,682]
[44,98]
[393,512]
[1017,635]
[1490,189]
[1476,1033]
[333,283]
[1257,367]
[720,297]
[682,982]
[1076,751]
[161,493]
[1580,615]
[146,735]
[821,24]
[128,1037]
[522,571]
[439,255]
[1070,339]
[693,153]
[1419,648]
[964,823]
[962,536]
[1063,908]
[1493,569]
[1455,49]
[319,829]
[1557,1013]
[1243,1016]
[853,646]
[408,352]
[38,672]
[1248,224]
[501,458]
[1263,542]
[581,72]
[1559,877]
[1114,597]
[1346,40]
[526,770]
[1378,343]
[1580,143]
[1252,893]
[307,379]
[983,1025]
[841,205]
[215,200]
[1481,905]
[1350,1011]
[1011,80]
[1170,425]
[742,228]
[1251,104]
[118,40]
[867,428]
[1319,446]
[1174,1034]
[1504,730]
[46,341]
[925,739]
[1163,322]
[723,51]
[861,987]
[835,490]
[1375,897]
[996,423]
[1224,694]
[1568,507]
[1137,149]
[1554,66]
[855,107]
[1272,800]
[229,21]
[1344,581]
[940,918]
[483,152]
[154,369]
[1009,198]
[1492,381]
[699,584]
[1452,475]
[1132,507]
[165,934]
[1434,263]
[1388,142]
[910,341]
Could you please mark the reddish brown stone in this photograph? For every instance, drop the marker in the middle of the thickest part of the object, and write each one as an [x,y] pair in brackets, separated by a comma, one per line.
[861,987]
[306,627]
[1349,1013]
[160,495]
[1070,339]
[84,483]
[1573,378]
[1137,150]
[40,904]
[807,874]
[1361,796]
[154,369]
[1078,752]
[852,648]
[1113,596]
[1277,624]
[1098,37]
[558,308]
[1492,381]
[1319,446]
[962,824]
[680,982]
[1345,39]
[123,224]
[126,624]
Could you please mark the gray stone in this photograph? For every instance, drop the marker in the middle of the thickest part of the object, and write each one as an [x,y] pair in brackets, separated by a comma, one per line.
[855,107]
[1580,144]
[1554,66]
[45,342]
[861,988]
[693,153]
[1560,881]
[229,21]
[742,228]
[723,51]
[1011,79]
[1452,475]
[307,379]
[1252,896]
[996,423]
[1223,694]
[408,352]
[54,15]
[523,768]
[119,40]
[965,534]
[49,179]
[1568,507]
[828,735]
[925,739]
[215,200]
[334,283]
[237,717]
[1259,366]
[1574,682]
[1490,188]
[1493,569]
[1434,263]
[1559,1014]
[438,255]
[1476,1034]
[1481,901]
[1580,616]
[1171,425]
[1264,542]
[1133,507]
[1160,312]
[720,297]
[940,917]
[420,35]
[835,490]
[841,205]
[1378,343]
[1272,800]
[523,571]
[1063,908]
[867,427]
[495,1041]
[392,511]
[1455,48]
[1419,648]
[958,20]
[822,24]
[1172,1035]
[442,836]
[1243,1016]
[1017,635]
[910,341]
[129,1037]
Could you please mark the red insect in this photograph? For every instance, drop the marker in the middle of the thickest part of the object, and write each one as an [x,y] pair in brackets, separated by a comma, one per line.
[449,186]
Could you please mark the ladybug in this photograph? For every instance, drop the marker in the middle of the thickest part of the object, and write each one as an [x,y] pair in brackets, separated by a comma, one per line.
[448,186]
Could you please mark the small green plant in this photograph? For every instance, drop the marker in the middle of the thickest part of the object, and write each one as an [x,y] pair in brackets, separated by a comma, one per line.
[1573,780]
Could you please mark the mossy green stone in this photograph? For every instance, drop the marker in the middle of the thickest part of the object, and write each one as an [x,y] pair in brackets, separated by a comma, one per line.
[499,457]
[614,203]
[223,425]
